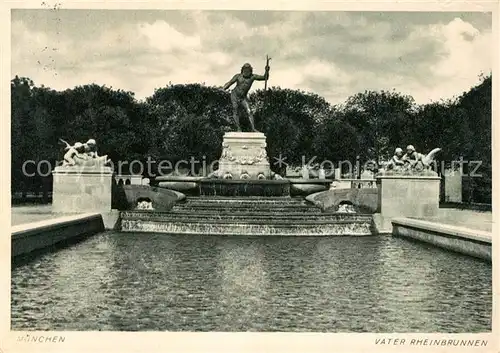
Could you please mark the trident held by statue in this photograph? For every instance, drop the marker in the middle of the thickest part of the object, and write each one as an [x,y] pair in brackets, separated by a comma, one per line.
[267,65]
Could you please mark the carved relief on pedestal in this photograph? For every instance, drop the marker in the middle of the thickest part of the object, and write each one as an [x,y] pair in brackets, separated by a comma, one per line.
[244,156]
[248,159]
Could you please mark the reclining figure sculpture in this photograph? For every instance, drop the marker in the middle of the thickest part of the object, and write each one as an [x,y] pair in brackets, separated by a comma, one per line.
[83,154]
[411,162]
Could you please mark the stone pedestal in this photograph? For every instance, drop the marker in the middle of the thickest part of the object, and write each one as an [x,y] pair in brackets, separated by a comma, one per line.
[406,196]
[82,189]
[244,152]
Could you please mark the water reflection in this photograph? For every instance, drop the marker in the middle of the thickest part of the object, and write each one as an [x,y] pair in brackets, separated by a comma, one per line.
[72,281]
[132,281]
[244,286]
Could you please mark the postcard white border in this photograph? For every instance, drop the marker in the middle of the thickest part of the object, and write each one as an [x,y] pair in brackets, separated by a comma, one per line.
[228,342]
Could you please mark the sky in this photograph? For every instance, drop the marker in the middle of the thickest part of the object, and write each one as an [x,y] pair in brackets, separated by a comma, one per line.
[430,56]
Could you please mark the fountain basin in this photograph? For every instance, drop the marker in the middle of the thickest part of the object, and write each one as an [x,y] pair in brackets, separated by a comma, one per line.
[229,187]
[304,187]
[178,185]
[181,178]
[184,184]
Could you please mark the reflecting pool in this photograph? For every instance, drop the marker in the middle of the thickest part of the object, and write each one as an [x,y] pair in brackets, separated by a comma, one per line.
[156,282]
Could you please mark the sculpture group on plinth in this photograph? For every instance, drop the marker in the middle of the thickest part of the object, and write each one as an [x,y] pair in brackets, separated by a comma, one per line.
[83,183]
[407,187]
[410,162]
[83,154]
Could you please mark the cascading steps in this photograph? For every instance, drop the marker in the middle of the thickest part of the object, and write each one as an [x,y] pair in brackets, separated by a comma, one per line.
[275,216]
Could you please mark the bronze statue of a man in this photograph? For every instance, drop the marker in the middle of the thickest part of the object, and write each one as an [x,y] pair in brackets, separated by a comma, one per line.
[244,81]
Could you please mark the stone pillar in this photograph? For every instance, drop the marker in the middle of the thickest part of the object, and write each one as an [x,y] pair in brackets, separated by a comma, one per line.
[406,196]
[136,180]
[336,174]
[453,186]
[244,152]
[82,189]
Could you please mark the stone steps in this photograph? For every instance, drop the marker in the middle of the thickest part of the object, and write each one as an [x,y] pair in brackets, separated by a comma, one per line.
[259,199]
[250,229]
[246,209]
[275,216]
[244,201]
[221,205]
[263,214]
[246,218]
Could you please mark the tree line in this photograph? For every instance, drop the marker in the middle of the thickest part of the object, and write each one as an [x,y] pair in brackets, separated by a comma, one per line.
[189,120]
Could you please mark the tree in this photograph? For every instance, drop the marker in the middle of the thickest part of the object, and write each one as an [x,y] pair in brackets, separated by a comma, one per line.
[185,121]
[477,110]
[337,141]
[382,120]
[108,116]
[290,119]
[27,127]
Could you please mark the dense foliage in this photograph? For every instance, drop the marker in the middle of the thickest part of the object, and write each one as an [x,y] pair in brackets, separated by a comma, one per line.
[188,121]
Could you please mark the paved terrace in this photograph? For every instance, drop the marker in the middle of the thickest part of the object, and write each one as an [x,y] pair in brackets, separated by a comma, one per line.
[480,220]
[32,213]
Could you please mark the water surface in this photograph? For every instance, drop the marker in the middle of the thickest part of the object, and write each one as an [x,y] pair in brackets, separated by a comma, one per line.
[132,281]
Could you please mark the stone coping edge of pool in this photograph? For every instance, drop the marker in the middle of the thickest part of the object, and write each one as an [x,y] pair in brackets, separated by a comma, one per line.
[456,231]
[476,243]
[29,237]
[37,226]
